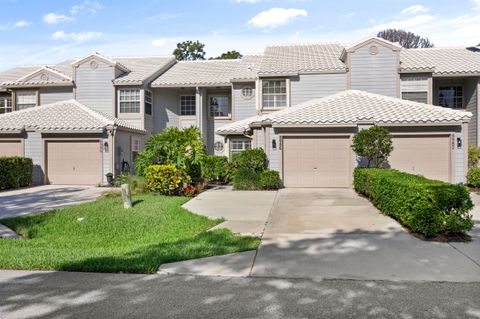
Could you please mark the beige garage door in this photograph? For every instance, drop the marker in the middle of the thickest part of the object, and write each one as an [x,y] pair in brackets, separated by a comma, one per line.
[317,162]
[11,148]
[425,155]
[74,162]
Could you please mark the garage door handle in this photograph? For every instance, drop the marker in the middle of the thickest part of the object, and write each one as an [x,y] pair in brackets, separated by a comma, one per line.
[314,168]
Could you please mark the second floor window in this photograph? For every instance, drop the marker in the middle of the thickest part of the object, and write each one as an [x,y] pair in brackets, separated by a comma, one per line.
[129,100]
[187,105]
[5,105]
[219,106]
[450,96]
[25,100]
[274,93]
[148,102]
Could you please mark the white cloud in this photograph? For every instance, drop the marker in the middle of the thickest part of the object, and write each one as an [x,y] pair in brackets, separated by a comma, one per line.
[275,17]
[406,24]
[22,24]
[247,1]
[349,15]
[159,43]
[79,37]
[476,4]
[415,9]
[53,18]
[88,5]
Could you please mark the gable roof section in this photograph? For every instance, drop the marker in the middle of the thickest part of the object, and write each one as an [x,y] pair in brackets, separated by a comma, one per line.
[351,107]
[200,73]
[142,69]
[58,74]
[96,55]
[247,69]
[64,116]
[441,61]
[288,60]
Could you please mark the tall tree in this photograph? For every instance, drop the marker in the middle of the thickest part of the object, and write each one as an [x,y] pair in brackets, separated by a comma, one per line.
[229,55]
[189,50]
[406,39]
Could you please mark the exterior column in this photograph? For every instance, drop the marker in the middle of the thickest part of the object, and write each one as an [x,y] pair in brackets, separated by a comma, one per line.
[199,108]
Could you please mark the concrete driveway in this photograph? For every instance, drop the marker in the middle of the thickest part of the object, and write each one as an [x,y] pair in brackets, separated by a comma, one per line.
[336,234]
[41,198]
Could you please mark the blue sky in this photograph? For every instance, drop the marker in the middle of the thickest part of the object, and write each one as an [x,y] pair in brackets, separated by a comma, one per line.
[47,31]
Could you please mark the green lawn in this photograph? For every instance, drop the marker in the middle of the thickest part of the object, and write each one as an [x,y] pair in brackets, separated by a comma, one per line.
[111,239]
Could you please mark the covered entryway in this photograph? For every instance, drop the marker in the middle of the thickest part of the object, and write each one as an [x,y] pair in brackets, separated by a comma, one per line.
[317,161]
[74,162]
[427,155]
[11,148]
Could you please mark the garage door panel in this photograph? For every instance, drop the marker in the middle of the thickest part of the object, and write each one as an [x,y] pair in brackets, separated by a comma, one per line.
[316,161]
[425,155]
[74,162]
[11,148]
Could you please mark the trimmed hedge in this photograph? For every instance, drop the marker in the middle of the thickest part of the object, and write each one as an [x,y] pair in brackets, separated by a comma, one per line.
[216,169]
[165,179]
[254,159]
[270,179]
[424,206]
[473,177]
[246,179]
[15,172]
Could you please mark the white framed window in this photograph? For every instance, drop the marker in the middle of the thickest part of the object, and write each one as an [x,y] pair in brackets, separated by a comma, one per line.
[5,104]
[219,106]
[129,100]
[239,145]
[450,96]
[187,105]
[148,102]
[135,147]
[25,100]
[247,92]
[274,93]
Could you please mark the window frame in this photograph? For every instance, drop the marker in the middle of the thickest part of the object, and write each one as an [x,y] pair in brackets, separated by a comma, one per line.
[6,104]
[229,107]
[180,111]
[146,102]
[455,97]
[415,92]
[247,87]
[286,94]
[32,93]
[139,101]
[243,141]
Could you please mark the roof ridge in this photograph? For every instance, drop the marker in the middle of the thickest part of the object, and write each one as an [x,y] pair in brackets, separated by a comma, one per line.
[210,61]
[142,56]
[94,113]
[303,44]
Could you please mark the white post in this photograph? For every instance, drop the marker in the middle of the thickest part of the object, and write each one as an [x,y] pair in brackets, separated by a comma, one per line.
[126,196]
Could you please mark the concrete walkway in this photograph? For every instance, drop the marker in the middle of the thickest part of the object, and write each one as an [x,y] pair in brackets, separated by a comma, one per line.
[35,294]
[335,234]
[42,198]
[245,212]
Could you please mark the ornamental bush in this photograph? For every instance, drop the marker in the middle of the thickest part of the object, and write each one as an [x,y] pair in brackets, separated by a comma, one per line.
[246,179]
[183,148]
[270,180]
[165,179]
[424,206]
[374,144]
[473,156]
[15,172]
[254,159]
[473,177]
[216,169]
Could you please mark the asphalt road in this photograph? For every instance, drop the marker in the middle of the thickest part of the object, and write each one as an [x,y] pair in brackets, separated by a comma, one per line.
[87,295]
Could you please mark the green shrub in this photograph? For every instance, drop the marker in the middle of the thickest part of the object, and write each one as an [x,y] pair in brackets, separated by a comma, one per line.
[15,172]
[424,206]
[254,159]
[165,179]
[246,179]
[137,183]
[269,179]
[473,177]
[374,144]
[216,169]
[473,156]
[183,148]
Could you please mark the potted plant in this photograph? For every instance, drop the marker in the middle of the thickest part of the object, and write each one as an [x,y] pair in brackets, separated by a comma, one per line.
[109,177]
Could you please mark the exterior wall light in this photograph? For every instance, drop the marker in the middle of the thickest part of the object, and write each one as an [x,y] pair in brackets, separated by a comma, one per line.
[274,145]
[105,147]
[459,142]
